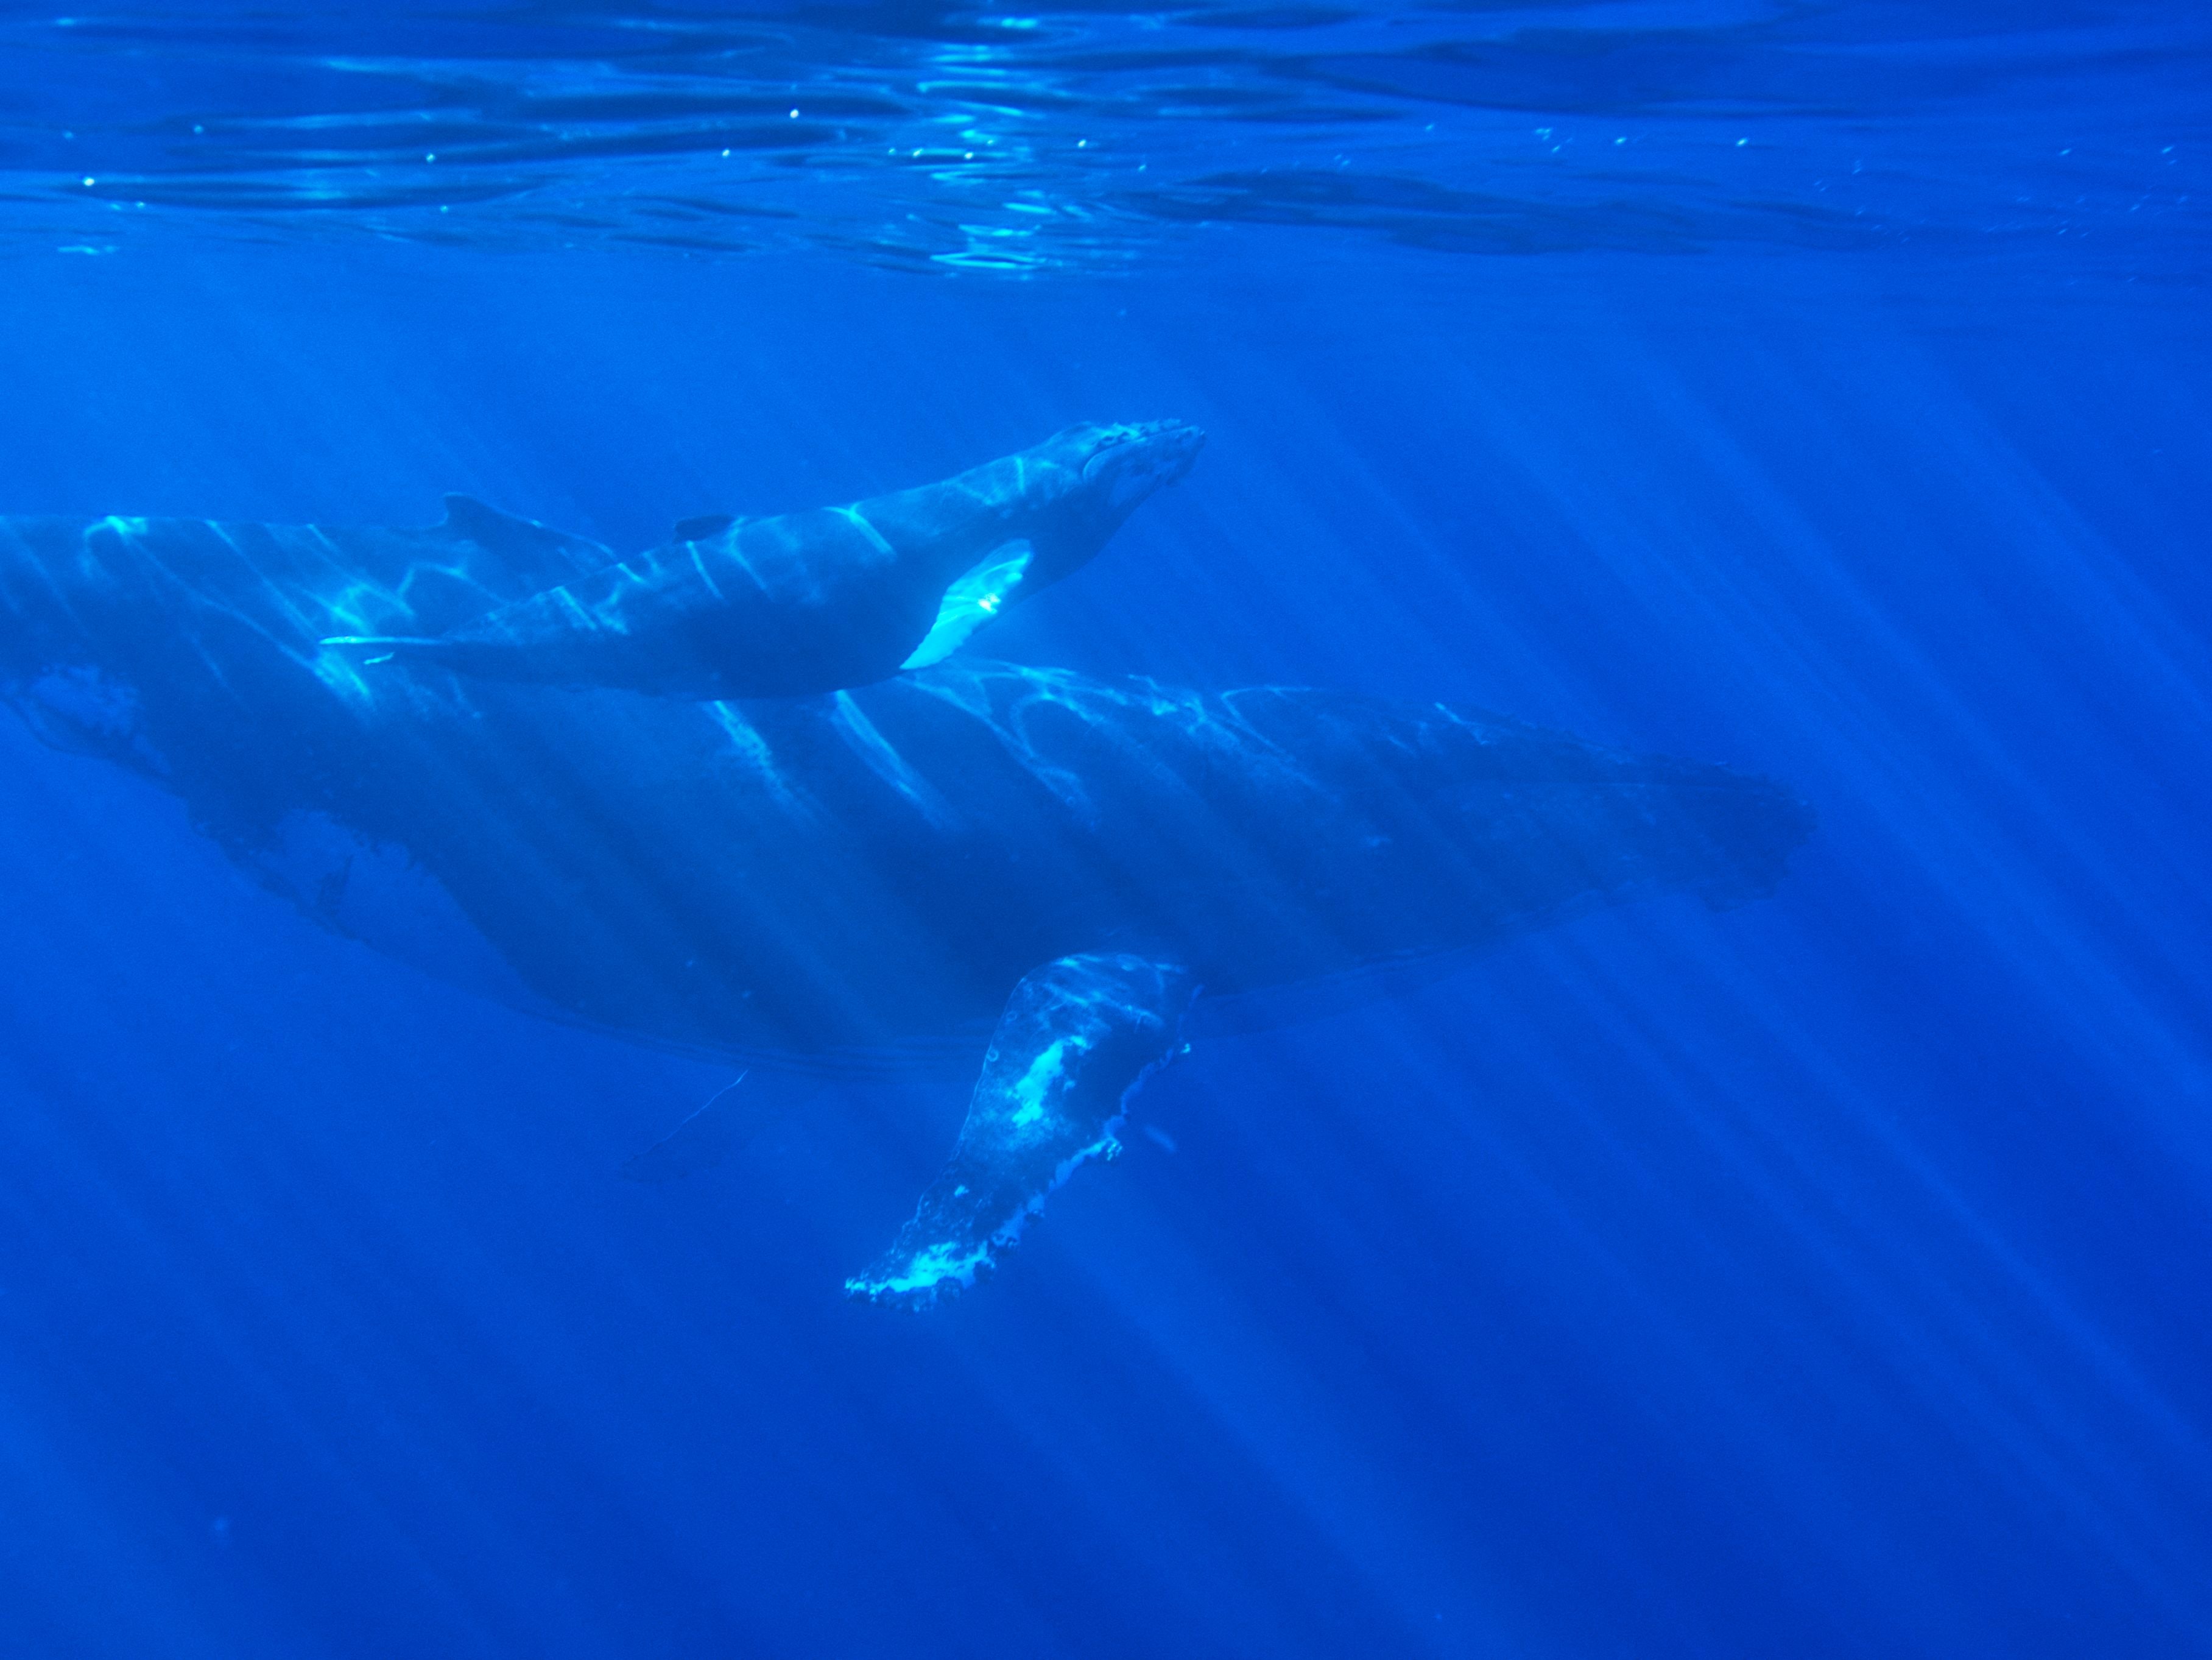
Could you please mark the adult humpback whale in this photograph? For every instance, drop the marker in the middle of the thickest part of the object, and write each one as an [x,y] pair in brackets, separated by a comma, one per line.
[1047,867]
[831,597]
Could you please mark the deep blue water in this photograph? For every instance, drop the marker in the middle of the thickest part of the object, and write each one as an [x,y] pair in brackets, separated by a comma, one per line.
[1824,1276]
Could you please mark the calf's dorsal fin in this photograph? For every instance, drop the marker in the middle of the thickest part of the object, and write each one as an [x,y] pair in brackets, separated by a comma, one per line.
[503,532]
[700,526]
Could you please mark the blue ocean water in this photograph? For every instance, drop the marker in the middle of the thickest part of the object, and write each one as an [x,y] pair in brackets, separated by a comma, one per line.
[1820,388]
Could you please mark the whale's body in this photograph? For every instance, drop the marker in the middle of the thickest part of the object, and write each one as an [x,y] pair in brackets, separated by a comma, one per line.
[864,873]
[825,599]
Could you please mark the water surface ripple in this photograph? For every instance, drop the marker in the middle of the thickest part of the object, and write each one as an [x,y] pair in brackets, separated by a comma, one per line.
[1015,139]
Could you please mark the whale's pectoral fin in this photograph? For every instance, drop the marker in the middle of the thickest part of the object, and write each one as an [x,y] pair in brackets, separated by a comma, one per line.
[1077,1038]
[728,1121]
[974,598]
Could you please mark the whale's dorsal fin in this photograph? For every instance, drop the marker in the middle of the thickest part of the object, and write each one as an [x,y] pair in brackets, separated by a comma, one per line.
[1077,1038]
[973,600]
[505,532]
[700,526]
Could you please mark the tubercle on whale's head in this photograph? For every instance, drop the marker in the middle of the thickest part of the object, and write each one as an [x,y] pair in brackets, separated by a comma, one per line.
[1095,475]
[1104,459]
[1130,459]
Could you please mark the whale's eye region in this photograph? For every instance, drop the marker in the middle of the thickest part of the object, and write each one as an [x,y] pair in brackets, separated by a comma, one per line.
[1109,453]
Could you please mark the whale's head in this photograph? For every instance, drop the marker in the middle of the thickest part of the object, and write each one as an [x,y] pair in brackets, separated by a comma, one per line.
[1123,464]
[1095,475]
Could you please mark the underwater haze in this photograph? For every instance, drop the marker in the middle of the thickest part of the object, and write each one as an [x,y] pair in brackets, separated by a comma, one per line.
[1802,1254]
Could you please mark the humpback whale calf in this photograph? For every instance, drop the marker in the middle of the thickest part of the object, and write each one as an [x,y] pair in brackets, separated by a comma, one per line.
[1062,874]
[825,599]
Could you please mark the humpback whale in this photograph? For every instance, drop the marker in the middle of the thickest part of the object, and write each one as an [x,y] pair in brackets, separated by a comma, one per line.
[825,599]
[1058,876]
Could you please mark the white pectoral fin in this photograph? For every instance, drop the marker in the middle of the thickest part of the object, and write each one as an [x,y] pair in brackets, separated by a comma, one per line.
[974,598]
[1077,1038]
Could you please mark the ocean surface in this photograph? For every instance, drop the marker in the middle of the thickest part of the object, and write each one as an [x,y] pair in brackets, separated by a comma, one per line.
[1822,388]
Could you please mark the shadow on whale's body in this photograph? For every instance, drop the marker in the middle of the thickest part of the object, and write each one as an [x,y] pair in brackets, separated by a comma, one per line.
[1046,868]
